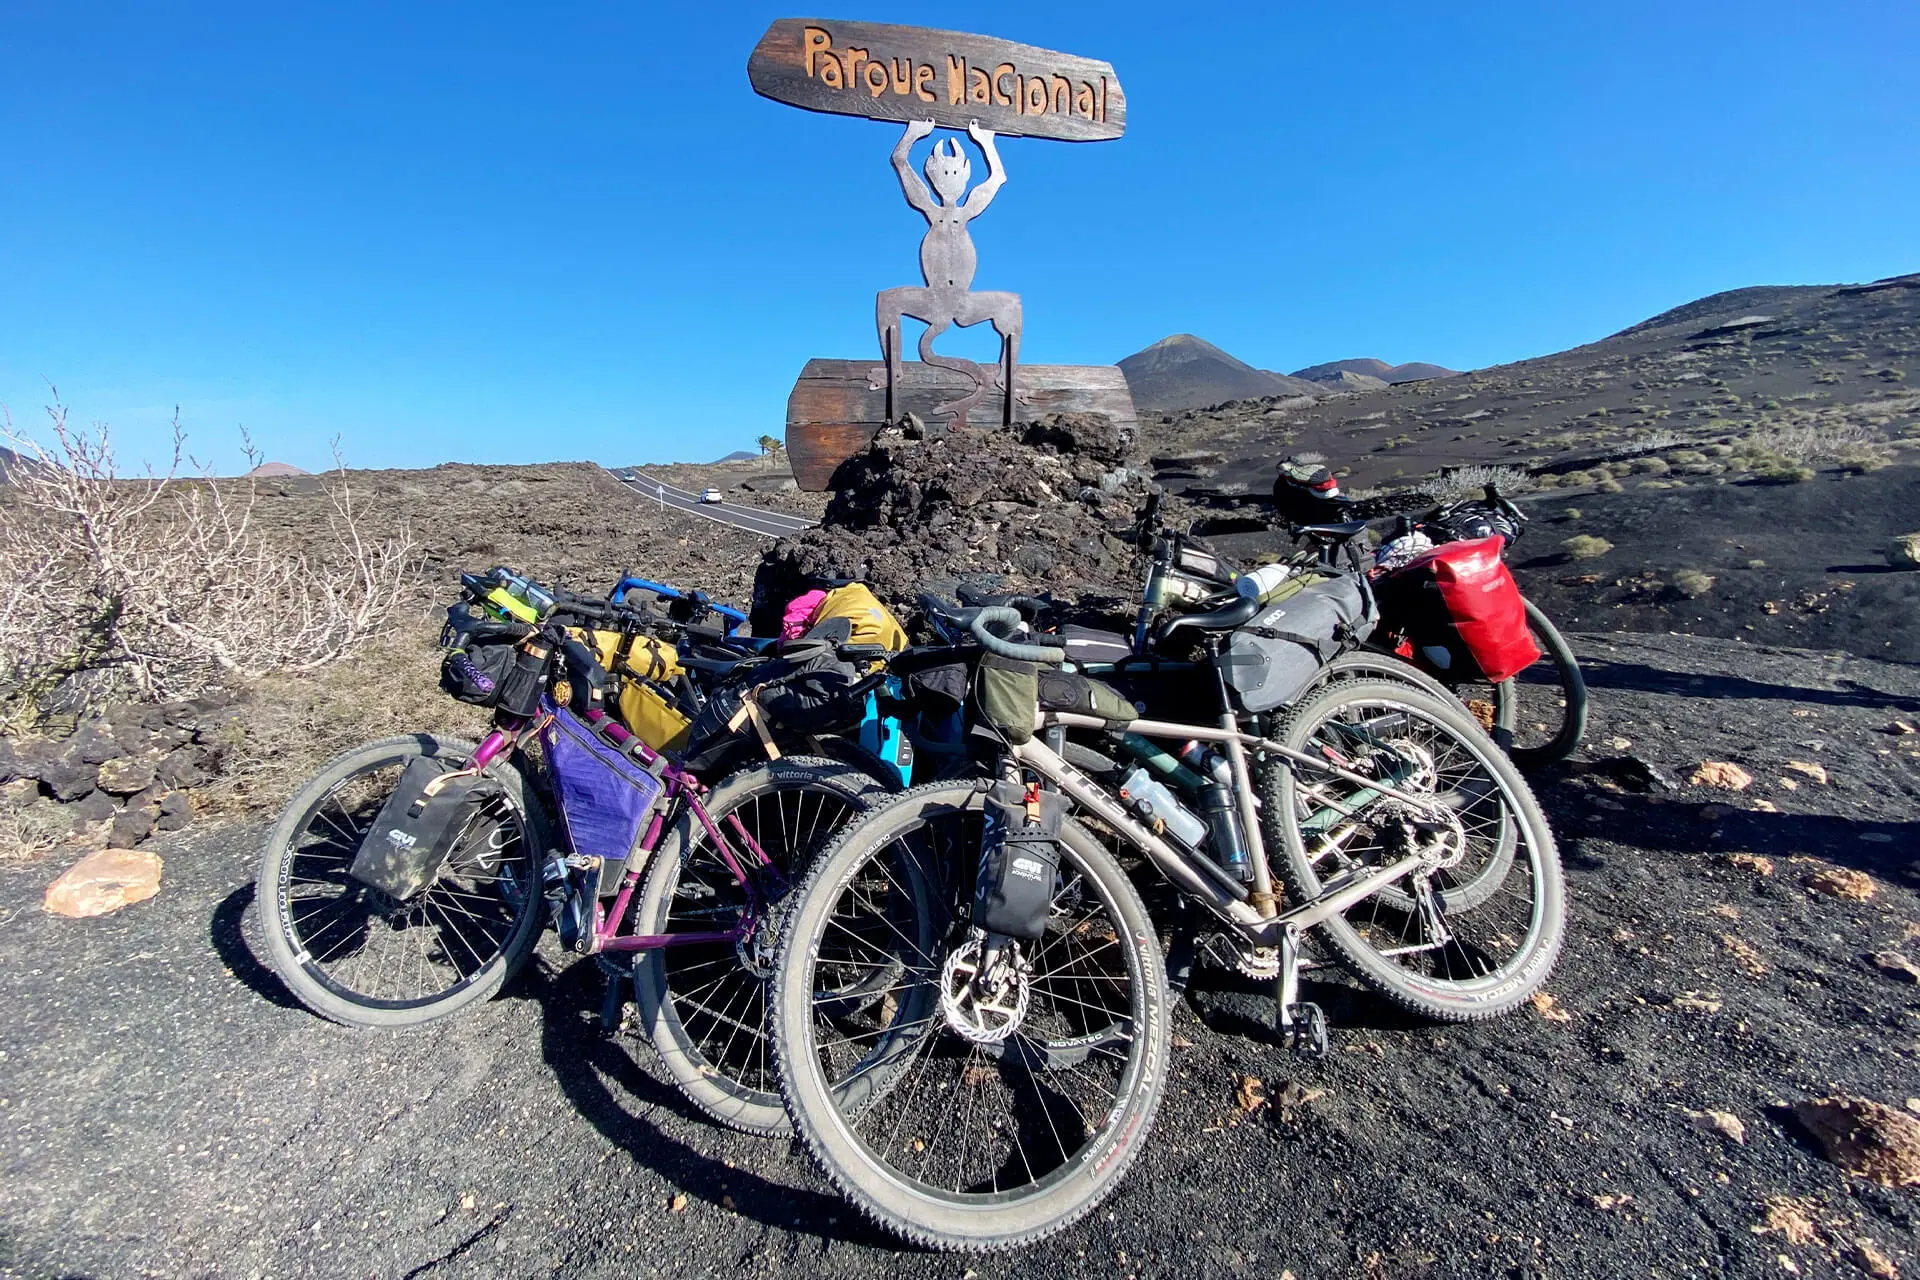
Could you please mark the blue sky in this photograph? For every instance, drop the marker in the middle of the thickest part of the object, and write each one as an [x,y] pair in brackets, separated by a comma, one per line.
[514,232]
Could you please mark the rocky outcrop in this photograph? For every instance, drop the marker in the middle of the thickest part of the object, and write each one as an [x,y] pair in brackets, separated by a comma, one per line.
[1866,1138]
[1033,506]
[120,778]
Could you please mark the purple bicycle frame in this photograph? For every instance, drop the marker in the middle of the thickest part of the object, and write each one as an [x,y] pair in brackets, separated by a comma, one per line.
[683,787]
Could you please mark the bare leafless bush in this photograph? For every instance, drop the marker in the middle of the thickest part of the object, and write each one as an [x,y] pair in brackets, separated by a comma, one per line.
[155,586]
[1644,443]
[1467,482]
[1817,441]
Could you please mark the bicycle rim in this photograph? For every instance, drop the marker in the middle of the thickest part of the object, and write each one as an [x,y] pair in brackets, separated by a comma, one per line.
[928,1125]
[715,993]
[372,951]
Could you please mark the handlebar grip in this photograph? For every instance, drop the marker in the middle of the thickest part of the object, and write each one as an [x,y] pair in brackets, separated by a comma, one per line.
[866,684]
[1030,607]
[1047,655]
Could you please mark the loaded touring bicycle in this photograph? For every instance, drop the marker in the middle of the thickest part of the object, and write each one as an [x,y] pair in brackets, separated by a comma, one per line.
[1008,1077]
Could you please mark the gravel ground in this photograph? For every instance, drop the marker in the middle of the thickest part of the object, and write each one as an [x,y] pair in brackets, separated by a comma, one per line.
[165,1110]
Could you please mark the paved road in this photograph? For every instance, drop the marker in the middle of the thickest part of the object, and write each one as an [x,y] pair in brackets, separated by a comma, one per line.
[771,524]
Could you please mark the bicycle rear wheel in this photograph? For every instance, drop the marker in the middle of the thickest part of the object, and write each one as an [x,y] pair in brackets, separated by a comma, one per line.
[1373,664]
[1466,942]
[357,956]
[950,1133]
[1545,706]
[704,1004]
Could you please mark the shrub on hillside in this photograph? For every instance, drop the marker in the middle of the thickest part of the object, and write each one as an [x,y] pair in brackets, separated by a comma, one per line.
[1774,471]
[1847,443]
[156,586]
[1584,546]
[1691,583]
[1471,482]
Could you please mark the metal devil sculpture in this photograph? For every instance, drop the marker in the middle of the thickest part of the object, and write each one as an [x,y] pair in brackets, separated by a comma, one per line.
[947,262]
[929,79]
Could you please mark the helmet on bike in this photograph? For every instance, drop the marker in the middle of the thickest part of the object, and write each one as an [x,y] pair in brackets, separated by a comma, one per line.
[1306,492]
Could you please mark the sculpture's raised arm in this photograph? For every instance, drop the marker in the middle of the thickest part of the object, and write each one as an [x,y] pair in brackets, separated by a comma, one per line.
[981,196]
[910,184]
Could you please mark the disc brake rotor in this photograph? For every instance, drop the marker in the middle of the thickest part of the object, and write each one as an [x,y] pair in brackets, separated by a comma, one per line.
[984,1007]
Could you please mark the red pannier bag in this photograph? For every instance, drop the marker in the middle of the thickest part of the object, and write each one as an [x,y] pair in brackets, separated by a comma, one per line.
[1461,608]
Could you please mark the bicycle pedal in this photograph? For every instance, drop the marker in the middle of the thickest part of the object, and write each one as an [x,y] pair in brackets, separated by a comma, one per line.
[1303,1027]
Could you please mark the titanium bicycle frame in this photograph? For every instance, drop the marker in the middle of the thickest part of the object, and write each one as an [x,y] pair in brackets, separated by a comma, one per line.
[1252,912]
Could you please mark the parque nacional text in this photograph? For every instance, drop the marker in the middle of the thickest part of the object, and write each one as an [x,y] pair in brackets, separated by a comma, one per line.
[884,72]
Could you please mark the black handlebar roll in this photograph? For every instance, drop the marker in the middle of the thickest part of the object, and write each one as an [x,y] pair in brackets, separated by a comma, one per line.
[1047,655]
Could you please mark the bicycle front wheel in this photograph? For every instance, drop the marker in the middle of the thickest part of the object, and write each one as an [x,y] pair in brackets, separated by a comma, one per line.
[357,956]
[950,1131]
[704,1004]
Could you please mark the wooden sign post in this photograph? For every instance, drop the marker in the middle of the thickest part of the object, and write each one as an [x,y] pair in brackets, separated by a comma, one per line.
[929,79]
[954,79]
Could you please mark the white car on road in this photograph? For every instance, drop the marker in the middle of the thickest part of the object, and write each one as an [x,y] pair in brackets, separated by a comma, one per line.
[709,494]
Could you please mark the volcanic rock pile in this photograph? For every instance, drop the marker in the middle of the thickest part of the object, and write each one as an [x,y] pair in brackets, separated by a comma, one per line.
[123,776]
[1028,507]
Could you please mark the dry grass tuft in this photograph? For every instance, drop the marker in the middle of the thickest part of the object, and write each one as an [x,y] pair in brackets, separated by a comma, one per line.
[292,725]
[1583,546]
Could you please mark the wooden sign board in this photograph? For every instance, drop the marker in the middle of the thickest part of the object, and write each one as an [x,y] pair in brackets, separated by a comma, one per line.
[886,72]
[837,406]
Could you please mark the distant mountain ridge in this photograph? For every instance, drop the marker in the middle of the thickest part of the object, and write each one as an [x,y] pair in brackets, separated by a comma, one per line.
[1184,372]
[1386,374]
[1794,358]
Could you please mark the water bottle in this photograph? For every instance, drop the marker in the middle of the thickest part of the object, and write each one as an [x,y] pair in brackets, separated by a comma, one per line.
[1263,582]
[526,591]
[1151,755]
[1154,802]
[1208,763]
[1204,760]
[1223,821]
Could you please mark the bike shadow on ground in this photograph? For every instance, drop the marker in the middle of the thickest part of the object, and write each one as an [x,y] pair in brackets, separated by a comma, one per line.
[1230,1003]
[1638,677]
[226,931]
[600,1075]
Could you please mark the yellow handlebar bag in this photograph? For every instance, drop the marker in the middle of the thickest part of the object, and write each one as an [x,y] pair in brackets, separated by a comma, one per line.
[635,660]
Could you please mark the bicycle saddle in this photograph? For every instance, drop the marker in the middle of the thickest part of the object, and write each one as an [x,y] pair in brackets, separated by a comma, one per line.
[947,612]
[1236,613]
[1333,534]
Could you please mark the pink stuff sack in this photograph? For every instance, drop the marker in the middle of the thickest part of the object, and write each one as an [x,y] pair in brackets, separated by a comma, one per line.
[799,615]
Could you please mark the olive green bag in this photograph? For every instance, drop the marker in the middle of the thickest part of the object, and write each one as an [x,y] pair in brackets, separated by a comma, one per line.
[1071,691]
[1009,695]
